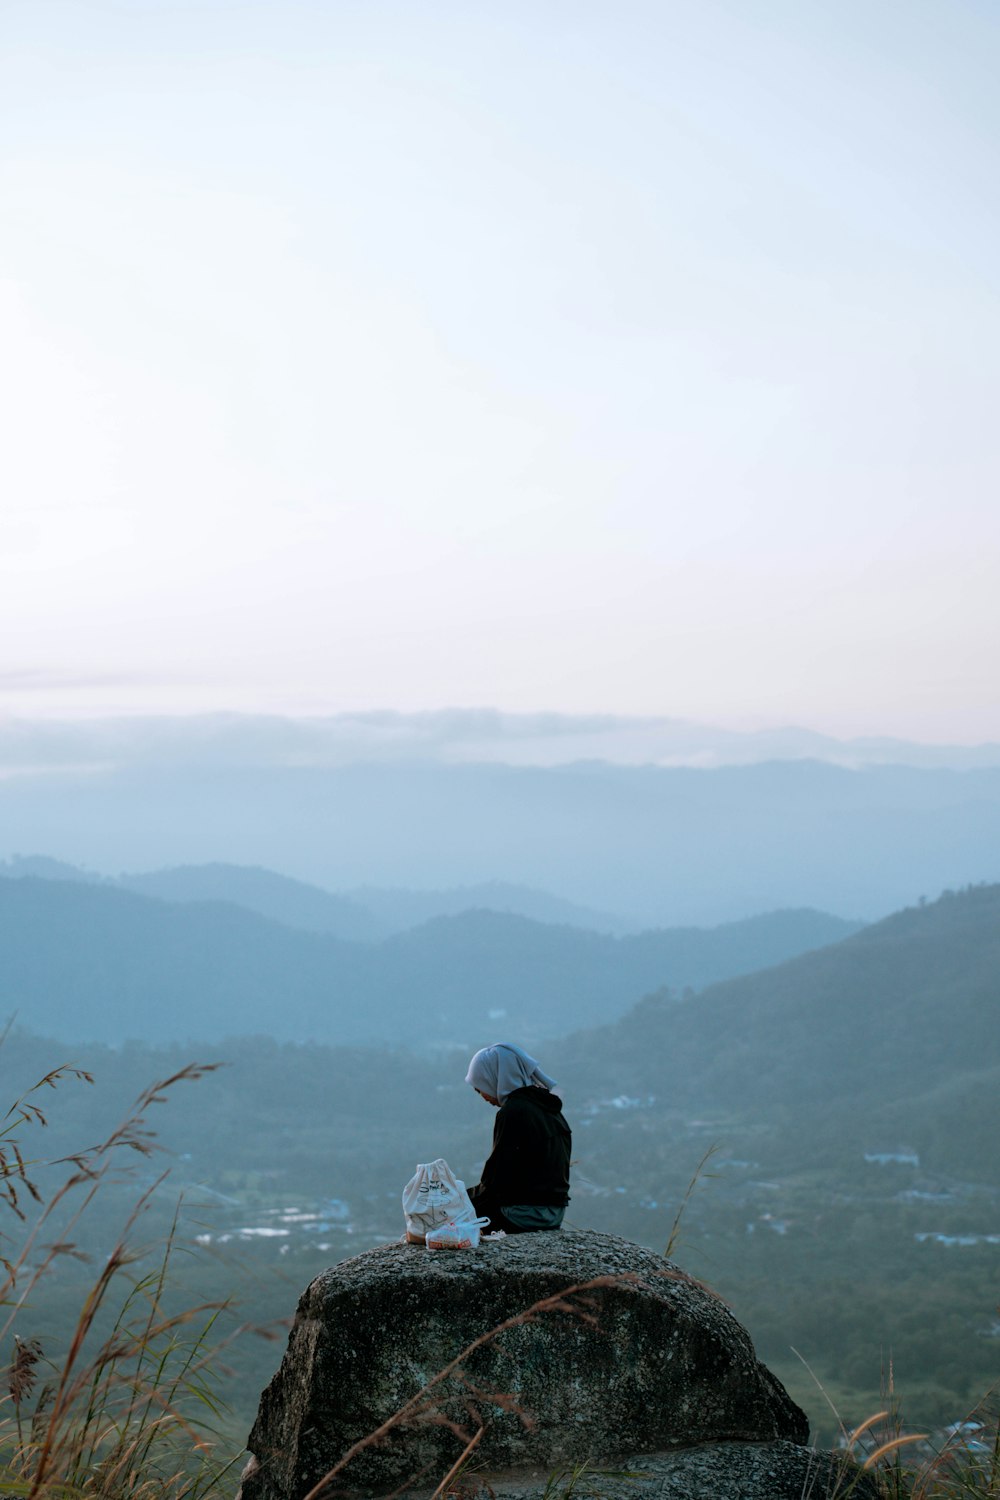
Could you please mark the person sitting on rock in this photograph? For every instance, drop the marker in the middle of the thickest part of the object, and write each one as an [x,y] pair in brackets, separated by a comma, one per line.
[525,1181]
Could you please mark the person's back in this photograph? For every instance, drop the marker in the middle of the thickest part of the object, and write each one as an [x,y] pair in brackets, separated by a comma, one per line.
[525,1181]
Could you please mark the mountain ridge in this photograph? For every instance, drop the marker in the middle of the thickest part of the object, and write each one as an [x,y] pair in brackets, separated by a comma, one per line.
[902,1008]
[451,736]
[367,913]
[98,963]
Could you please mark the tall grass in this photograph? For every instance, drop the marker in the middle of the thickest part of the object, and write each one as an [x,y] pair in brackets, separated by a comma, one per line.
[960,1463]
[127,1406]
[963,1465]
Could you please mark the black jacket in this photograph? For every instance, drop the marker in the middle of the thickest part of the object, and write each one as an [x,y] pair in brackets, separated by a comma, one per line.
[529,1162]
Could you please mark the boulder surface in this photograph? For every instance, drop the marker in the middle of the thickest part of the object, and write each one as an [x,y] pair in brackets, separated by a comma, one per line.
[556,1348]
[728,1471]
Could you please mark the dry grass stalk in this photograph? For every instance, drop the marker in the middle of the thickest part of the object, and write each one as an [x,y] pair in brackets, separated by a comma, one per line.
[956,1472]
[675,1229]
[111,1422]
[459,1464]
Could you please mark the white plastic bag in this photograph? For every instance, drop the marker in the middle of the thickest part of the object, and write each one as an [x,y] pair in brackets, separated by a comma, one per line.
[432,1195]
[456,1234]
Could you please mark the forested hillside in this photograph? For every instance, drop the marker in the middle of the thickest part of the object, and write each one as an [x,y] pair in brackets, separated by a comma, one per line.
[891,1035]
[294,903]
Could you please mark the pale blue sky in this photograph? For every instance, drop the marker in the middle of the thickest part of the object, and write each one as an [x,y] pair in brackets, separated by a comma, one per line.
[637,357]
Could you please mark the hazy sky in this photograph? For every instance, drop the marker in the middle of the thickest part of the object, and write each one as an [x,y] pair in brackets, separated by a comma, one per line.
[637,357]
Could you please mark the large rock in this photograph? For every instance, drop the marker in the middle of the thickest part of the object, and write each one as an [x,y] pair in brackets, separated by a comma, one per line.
[570,1346]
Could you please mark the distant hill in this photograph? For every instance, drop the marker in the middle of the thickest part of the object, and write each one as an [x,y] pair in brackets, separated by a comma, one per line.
[398,909]
[890,1037]
[92,962]
[293,902]
[364,915]
[41,867]
[446,736]
[535,980]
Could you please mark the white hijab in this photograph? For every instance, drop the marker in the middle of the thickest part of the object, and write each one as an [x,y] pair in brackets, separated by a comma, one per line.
[504,1067]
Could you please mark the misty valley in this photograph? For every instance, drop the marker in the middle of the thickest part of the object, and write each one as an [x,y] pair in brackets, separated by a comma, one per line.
[805,1106]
